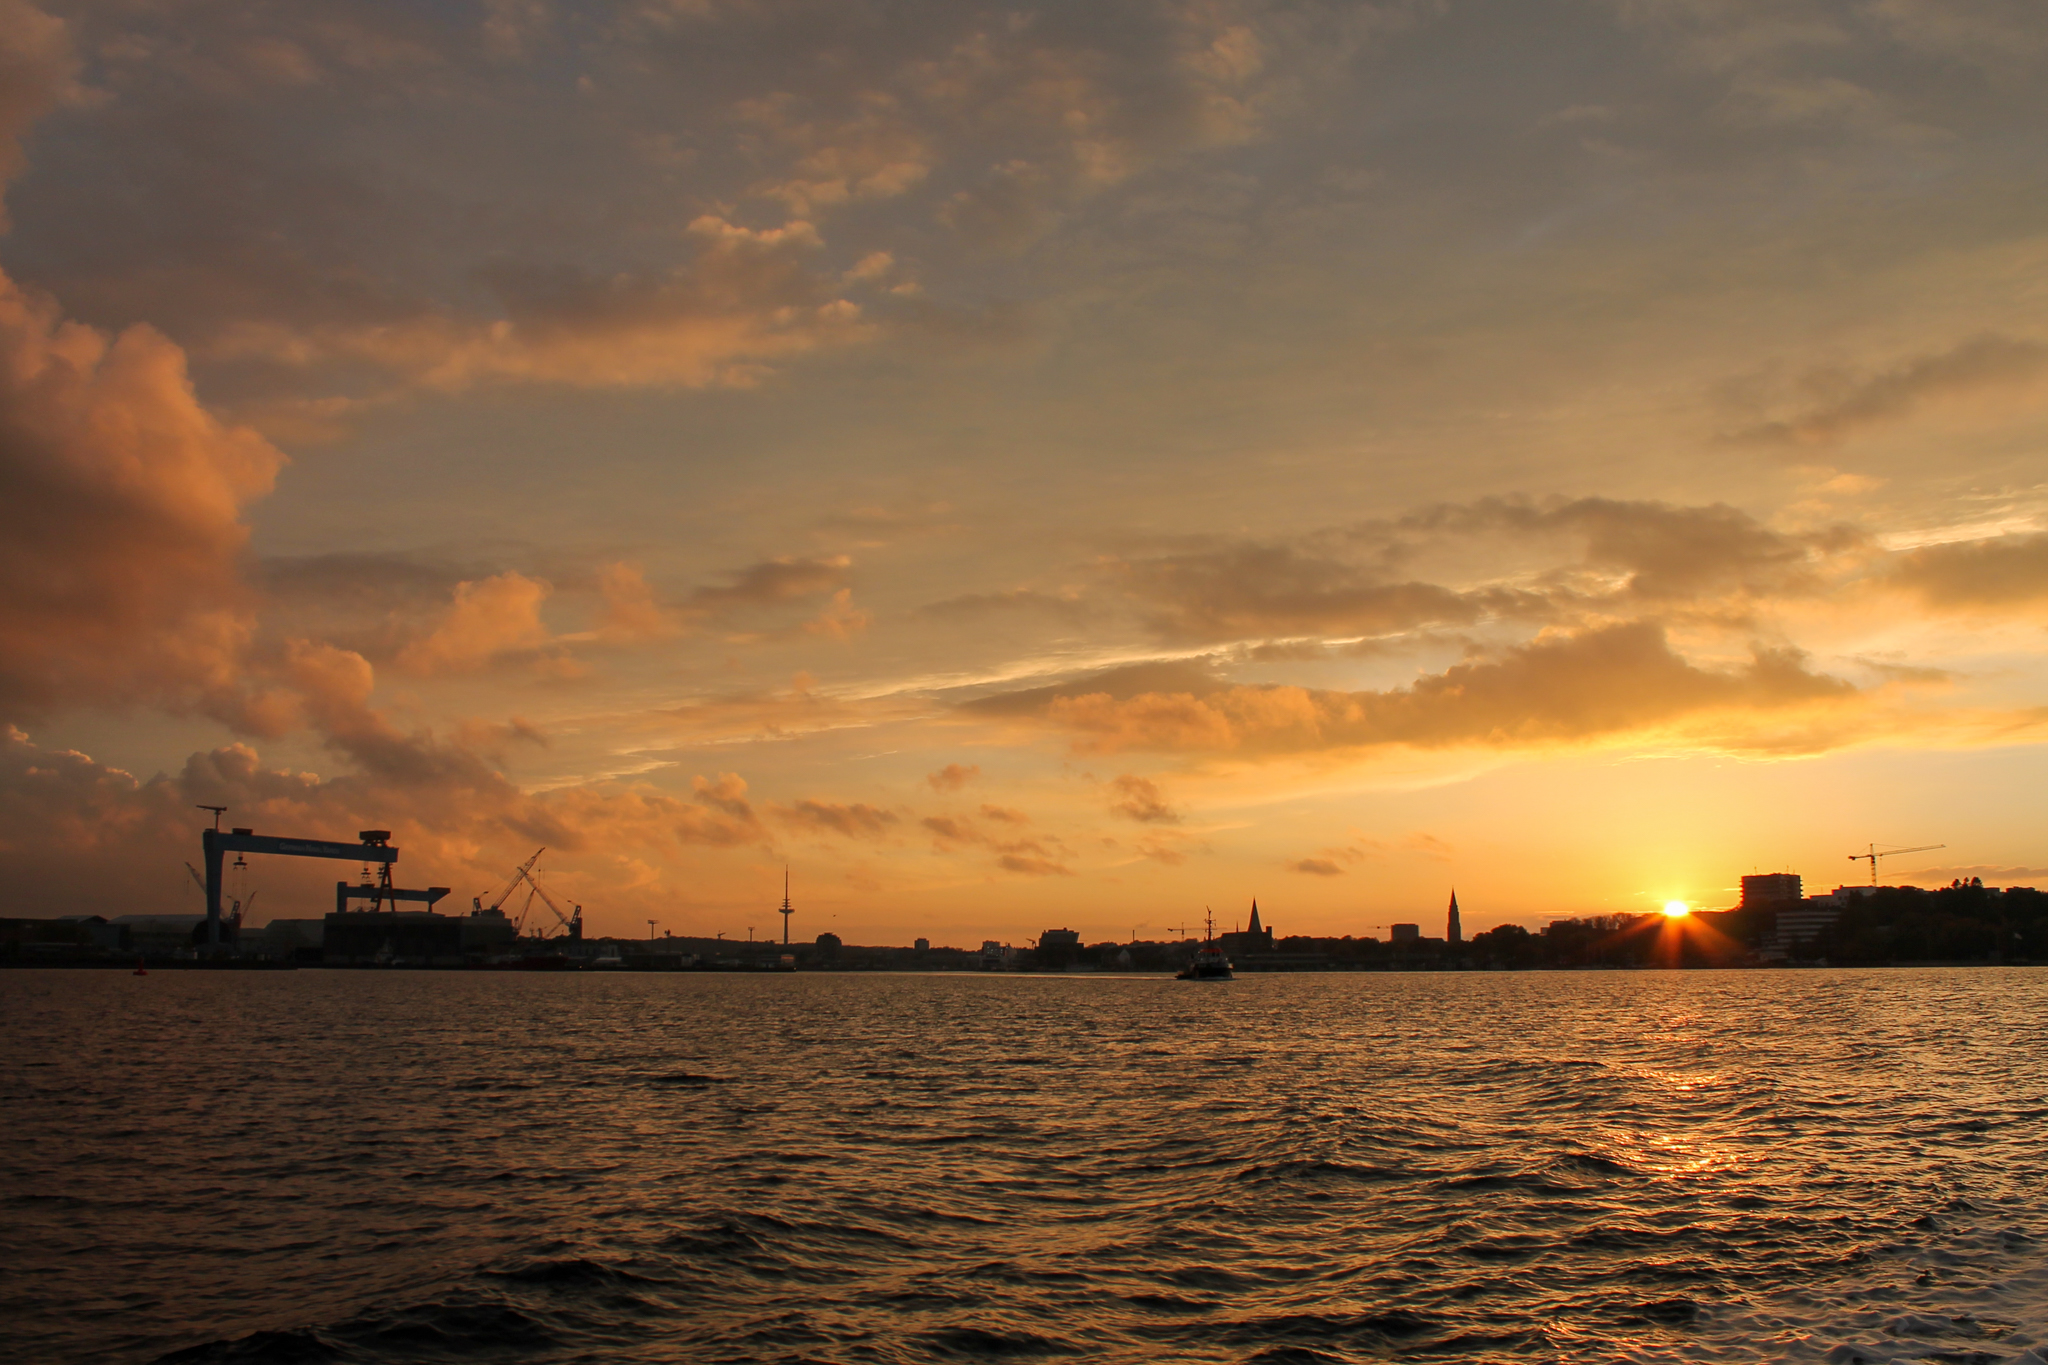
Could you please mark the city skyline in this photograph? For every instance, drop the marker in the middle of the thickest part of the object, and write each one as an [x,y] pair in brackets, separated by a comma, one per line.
[1027,466]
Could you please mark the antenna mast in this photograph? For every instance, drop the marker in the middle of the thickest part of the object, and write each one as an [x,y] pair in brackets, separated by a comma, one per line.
[787,909]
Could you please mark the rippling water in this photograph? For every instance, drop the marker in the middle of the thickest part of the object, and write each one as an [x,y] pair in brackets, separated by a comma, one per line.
[1824,1165]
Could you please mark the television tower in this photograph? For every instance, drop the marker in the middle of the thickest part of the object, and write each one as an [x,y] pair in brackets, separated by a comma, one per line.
[787,910]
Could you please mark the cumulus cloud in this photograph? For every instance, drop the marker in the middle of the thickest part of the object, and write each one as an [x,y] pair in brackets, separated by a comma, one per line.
[121,532]
[487,620]
[631,613]
[1563,688]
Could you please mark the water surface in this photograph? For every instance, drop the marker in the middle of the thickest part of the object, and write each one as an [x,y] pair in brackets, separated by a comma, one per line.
[384,1167]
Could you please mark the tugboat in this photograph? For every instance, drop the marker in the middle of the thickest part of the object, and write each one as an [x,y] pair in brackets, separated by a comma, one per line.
[1210,964]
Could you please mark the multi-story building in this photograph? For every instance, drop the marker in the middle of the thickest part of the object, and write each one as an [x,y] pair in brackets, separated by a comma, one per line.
[1771,888]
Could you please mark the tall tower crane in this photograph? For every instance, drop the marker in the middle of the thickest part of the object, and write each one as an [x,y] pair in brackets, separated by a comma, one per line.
[1874,853]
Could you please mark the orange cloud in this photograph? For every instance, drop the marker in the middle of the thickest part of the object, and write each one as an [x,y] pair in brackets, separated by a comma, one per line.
[495,616]
[1032,867]
[1598,682]
[98,838]
[746,300]
[840,620]
[875,154]
[1983,364]
[855,821]
[630,612]
[38,70]
[2002,571]
[1137,798]
[953,777]
[121,531]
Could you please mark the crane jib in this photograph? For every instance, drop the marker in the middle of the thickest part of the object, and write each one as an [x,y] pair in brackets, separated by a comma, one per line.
[300,848]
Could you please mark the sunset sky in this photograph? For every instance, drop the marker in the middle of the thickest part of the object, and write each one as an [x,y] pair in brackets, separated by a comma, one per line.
[1030,465]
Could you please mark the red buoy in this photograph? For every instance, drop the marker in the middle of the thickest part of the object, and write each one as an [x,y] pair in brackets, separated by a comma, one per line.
[139,969]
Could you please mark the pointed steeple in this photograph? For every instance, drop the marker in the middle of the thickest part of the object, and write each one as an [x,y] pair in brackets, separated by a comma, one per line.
[1254,926]
[1454,932]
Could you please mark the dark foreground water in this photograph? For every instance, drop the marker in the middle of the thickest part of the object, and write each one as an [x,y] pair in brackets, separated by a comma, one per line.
[357,1166]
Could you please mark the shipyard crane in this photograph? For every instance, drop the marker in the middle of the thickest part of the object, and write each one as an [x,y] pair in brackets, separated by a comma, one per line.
[518,875]
[569,922]
[199,880]
[1874,853]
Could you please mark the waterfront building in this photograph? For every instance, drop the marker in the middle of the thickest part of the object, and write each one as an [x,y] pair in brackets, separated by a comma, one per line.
[1405,933]
[293,938]
[409,937]
[1771,888]
[160,933]
[1800,923]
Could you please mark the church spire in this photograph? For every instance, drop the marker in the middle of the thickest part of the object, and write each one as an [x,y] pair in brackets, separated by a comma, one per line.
[1253,927]
[1454,931]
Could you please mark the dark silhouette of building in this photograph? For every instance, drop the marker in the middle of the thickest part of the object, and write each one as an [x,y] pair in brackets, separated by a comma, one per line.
[1405,933]
[1253,938]
[1771,888]
[1454,932]
[410,937]
[1058,948]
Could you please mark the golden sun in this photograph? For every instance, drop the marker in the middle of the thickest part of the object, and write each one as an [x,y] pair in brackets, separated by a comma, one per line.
[1676,909]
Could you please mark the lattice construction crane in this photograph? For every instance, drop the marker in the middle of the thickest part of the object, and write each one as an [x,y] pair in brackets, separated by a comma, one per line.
[1874,853]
